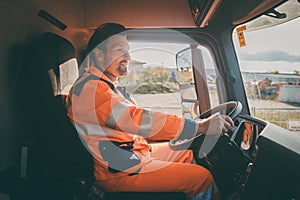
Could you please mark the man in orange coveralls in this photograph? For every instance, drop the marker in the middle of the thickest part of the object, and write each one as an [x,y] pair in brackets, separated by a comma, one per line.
[115,129]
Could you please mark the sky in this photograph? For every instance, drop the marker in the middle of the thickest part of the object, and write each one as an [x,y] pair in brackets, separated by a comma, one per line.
[154,54]
[272,49]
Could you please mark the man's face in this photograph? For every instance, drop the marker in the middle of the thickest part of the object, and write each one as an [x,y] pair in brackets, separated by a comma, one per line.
[116,57]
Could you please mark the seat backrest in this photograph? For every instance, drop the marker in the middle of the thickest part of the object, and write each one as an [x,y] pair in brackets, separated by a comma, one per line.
[61,158]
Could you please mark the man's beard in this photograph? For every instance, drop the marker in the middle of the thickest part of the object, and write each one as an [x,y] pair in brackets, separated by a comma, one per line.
[123,68]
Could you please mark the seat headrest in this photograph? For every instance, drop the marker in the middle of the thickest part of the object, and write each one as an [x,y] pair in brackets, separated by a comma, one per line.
[68,74]
[54,50]
[57,56]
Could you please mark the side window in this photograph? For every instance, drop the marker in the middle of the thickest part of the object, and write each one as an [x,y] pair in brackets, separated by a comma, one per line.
[161,78]
[153,76]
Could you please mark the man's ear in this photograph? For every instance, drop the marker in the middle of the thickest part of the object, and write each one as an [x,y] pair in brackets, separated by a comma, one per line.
[98,55]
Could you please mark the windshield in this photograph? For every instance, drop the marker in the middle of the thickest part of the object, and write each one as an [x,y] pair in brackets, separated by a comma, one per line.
[270,66]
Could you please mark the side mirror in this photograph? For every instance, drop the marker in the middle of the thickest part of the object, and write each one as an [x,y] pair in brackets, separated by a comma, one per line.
[184,65]
[186,83]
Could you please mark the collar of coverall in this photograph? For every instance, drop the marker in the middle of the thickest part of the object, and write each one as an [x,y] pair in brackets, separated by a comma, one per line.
[97,72]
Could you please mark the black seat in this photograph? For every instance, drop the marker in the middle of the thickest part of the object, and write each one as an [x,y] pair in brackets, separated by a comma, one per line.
[61,162]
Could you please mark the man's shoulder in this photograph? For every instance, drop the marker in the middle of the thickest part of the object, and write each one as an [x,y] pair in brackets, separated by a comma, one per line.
[83,82]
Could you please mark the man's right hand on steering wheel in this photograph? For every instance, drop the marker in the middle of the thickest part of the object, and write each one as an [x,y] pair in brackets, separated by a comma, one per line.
[215,124]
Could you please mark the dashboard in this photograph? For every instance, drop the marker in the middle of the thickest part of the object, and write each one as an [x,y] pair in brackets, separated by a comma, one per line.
[232,156]
[253,157]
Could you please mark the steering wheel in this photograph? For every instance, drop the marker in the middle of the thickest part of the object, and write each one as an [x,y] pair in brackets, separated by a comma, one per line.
[231,108]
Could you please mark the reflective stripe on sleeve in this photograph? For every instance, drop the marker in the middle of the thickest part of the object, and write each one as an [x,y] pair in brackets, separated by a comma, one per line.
[116,113]
[120,118]
[189,129]
[146,123]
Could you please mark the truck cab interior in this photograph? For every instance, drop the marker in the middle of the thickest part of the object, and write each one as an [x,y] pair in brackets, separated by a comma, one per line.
[41,153]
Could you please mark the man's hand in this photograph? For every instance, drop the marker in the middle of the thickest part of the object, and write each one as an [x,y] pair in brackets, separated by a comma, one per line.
[214,125]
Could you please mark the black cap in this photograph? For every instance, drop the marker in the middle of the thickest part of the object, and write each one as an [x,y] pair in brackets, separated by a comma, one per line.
[103,32]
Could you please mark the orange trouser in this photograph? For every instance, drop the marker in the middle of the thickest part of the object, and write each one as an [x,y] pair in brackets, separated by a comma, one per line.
[169,171]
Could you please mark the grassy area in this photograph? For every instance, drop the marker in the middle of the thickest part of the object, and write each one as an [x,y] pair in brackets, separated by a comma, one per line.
[153,88]
[278,117]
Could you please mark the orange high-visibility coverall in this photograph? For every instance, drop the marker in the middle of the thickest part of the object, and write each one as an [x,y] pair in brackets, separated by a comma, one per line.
[101,113]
